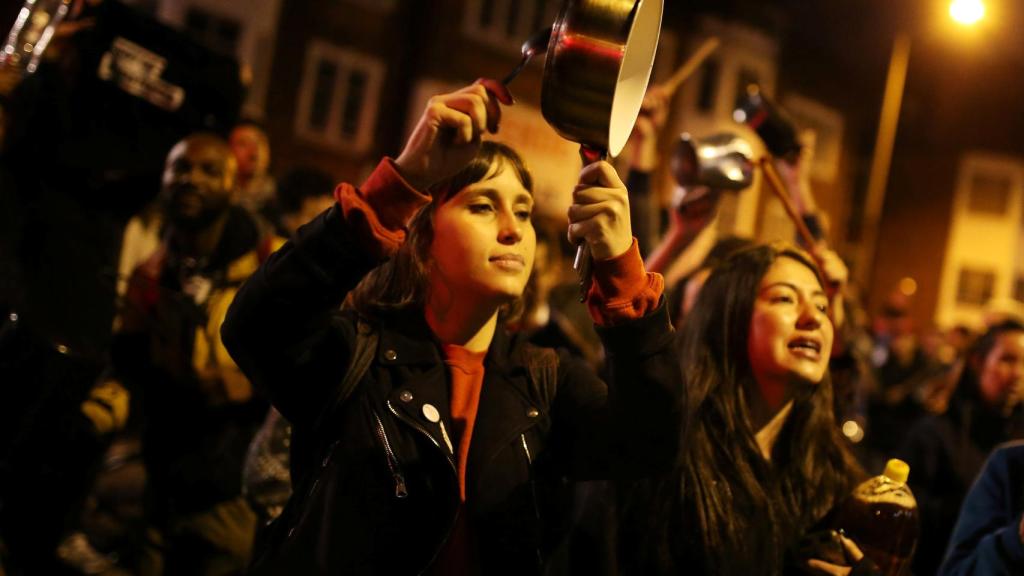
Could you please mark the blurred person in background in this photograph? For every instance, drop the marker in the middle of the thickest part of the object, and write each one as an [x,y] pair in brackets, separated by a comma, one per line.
[552,320]
[255,188]
[950,353]
[902,373]
[640,161]
[197,410]
[946,451]
[302,195]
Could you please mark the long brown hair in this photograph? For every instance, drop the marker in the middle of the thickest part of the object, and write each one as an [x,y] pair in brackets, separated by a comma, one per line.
[401,282]
[725,509]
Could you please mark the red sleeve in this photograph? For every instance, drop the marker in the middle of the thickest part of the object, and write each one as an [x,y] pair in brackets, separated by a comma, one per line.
[380,209]
[622,289]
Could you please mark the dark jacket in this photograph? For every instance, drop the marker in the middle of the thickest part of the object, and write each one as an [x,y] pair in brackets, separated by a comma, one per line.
[987,538]
[388,493]
[195,436]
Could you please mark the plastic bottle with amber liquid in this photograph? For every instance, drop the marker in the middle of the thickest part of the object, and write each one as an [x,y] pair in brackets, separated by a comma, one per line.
[880,515]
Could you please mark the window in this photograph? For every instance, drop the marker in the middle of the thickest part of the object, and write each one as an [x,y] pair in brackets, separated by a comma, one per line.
[975,286]
[990,193]
[708,86]
[506,24]
[217,33]
[338,97]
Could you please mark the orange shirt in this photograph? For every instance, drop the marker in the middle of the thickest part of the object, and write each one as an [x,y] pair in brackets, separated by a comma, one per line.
[467,377]
[466,371]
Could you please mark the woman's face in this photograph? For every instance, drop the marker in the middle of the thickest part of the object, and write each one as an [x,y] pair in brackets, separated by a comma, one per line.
[790,332]
[1002,371]
[484,241]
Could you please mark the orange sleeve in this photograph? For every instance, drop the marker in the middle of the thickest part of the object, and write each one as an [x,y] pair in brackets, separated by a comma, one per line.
[381,208]
[622,289]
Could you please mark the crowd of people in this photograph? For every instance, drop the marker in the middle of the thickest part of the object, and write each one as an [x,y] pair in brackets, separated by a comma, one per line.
[400,377]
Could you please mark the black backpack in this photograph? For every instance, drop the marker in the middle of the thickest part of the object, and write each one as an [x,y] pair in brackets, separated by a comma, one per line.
[272,537]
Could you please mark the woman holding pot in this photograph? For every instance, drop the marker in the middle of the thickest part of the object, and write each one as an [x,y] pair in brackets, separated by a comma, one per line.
[762,459]
[450,451]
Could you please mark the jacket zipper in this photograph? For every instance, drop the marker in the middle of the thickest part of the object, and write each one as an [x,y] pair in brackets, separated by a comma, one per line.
[526,449]
[529,468]
[400,489]
[533,491]
[447,440]
[451,461]
[423,431]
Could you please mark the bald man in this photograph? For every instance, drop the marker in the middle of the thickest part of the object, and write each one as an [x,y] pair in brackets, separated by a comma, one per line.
[198,411]
[198,182]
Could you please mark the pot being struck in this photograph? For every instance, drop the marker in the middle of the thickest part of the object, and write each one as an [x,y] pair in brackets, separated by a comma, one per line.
[597,68]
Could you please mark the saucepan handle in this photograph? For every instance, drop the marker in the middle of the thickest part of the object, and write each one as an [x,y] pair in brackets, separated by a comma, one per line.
[583,263]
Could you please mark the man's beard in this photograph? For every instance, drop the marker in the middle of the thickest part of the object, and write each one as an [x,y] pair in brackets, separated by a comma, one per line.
[209,212]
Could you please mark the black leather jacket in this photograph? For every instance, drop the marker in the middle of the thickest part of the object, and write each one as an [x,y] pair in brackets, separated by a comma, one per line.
[386,494]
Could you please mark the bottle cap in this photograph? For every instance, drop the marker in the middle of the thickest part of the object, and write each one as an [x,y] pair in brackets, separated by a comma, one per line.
[897,471]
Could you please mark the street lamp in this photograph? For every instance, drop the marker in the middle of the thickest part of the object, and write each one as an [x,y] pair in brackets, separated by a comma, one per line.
[965,12]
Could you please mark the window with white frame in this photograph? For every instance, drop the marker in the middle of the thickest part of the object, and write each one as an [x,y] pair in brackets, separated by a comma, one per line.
[338,97]
[506,24]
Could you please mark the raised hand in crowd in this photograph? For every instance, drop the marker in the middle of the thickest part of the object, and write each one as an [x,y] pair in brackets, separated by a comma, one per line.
[448,134]
[692,209]
[644,138]
[599,214]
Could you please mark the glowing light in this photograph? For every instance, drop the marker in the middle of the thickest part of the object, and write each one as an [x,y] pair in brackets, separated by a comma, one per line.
[853,431]
[967,12]
[908,286]
[739,116]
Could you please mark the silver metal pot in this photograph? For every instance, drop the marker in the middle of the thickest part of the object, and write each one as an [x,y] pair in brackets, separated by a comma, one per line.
[722,161]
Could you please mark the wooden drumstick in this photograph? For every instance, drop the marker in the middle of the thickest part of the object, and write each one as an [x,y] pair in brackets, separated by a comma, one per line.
[690,66]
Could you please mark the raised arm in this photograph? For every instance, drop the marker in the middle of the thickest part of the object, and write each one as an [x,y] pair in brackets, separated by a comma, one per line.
[277,327]
[640,410]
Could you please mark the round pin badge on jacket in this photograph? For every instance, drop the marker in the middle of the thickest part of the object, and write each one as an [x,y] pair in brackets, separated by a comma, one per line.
[431,413]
